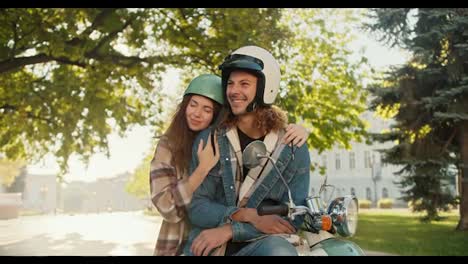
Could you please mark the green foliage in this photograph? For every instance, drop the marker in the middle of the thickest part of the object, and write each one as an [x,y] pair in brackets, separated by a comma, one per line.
[19,182]
[322,87]
[364,204]
[385,203]
[431,97]
[139,182]
[70,77]
[10,170]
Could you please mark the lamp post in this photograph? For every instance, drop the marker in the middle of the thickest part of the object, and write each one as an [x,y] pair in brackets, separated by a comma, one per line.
[376,174]
[95,201]
[44,190]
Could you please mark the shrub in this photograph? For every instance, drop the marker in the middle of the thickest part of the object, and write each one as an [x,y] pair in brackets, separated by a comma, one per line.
[411,204]
[364,204]
[385,203]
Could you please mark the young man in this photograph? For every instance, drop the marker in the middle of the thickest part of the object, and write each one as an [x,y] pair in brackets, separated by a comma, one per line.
[223,209]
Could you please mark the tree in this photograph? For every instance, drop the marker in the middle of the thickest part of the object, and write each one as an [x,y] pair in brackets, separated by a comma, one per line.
[69,77]
[139,182]
[429,96]
[323,87]
[10,170]
[19,182]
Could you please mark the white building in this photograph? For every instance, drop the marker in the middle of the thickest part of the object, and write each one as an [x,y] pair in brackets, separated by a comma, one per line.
[40,193]
[102,195]
[350,171]
[43,194]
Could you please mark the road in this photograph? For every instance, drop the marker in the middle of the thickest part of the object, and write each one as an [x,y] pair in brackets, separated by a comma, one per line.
[106,234]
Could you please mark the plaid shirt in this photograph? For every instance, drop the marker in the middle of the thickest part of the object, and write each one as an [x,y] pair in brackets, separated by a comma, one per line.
[170,194]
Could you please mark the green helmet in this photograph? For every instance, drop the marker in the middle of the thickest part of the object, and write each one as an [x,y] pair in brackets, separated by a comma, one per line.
[208,85]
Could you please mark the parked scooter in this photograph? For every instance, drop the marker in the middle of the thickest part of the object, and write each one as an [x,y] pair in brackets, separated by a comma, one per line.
[318,235]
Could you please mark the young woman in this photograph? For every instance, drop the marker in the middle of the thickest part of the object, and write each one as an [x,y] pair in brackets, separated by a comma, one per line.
[171,187]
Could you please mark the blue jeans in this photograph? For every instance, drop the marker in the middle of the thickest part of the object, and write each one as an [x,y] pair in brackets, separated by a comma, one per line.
[268,246]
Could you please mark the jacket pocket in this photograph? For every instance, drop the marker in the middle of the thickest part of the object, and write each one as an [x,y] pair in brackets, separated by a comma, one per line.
[215,177]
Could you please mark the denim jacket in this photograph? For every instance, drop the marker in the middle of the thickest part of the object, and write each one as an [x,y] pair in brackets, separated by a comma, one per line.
[215,200]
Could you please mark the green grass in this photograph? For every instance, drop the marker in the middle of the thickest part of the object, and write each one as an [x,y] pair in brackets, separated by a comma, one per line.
[400,232]
[152,212]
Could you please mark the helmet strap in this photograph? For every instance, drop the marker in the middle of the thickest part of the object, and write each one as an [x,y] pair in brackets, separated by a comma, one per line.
[251,107]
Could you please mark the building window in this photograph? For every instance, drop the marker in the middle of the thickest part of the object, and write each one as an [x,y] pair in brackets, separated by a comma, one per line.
[324,161]
[384,193]
[367,159]
[378,159]
[368,194]
[353,191]
[352,160]
[325,195]
[337,161]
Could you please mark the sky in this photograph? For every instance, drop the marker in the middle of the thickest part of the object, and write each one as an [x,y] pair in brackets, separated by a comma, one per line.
[128,152]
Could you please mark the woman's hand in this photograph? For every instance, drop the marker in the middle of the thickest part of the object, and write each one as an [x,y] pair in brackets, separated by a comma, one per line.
[207,158]
[296,134]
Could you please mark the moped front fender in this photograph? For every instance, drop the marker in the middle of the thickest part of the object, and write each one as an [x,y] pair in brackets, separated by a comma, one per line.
[334,247]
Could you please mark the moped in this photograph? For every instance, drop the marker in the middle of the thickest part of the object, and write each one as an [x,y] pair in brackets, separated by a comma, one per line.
[318,234]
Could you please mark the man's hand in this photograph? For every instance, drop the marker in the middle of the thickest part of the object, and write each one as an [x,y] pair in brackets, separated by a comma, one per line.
[268,224]
[246,215]
[273,224]
[210,239]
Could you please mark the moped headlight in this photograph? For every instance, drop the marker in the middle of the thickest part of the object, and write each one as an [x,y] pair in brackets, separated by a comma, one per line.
[344,211]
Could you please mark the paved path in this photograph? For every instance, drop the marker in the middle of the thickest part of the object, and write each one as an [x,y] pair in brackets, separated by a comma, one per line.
[106,234]
[114,234]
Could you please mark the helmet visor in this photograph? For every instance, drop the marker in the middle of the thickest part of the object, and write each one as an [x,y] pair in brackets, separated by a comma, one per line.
[241,61]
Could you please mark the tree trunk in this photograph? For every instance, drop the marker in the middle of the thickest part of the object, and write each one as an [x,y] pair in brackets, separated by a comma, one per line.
[463,223]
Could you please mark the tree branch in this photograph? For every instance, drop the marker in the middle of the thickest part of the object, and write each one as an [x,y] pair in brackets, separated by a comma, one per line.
[98,20]
[182,30]
[8,107]
[115,57]
[31,116]
[11,64]
[13,108]
[108,38]
[15,40]
[452,136]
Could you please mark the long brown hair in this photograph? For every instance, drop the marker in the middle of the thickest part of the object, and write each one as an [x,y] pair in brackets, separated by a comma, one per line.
[180,136]
[267,118]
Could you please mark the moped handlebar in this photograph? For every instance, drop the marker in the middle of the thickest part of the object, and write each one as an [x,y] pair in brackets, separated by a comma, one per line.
[281,210]
[340,214]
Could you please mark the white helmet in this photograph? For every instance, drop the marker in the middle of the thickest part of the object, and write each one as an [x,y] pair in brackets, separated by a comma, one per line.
[261,63]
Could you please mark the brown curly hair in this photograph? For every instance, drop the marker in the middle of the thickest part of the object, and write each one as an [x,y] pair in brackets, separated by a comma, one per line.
[267,117]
